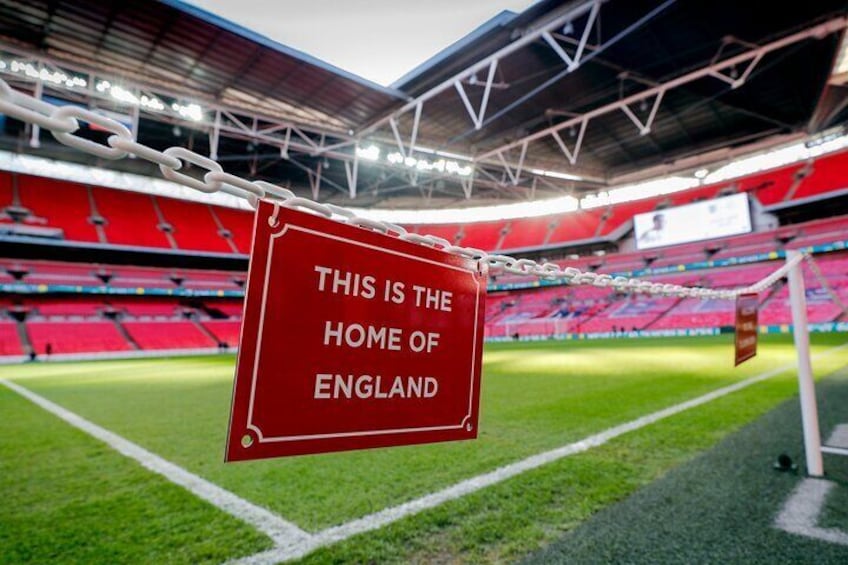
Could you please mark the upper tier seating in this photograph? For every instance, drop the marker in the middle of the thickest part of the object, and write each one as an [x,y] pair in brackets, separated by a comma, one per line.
[58,203]
[193,225]
[240,225]
[829,173]
[528,232]
[130,218]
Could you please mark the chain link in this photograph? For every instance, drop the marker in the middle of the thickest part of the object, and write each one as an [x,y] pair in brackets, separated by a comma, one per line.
[28,109]
[63,121]
[77,113]
[834,296]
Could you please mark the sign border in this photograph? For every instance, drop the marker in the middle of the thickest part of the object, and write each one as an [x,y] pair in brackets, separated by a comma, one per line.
[286,228]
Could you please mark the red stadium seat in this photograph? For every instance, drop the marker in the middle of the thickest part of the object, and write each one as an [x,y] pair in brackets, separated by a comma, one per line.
[76,336]
[10,343]
[225,330]
[168,335]
[240,225]
[829,173]
[194,227]
[529,232]
[482,235]
[445,231]
[131,218]
[60,204]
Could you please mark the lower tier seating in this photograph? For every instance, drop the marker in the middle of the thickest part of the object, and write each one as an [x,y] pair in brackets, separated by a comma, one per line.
[168,335]
[10,343]
[72,336]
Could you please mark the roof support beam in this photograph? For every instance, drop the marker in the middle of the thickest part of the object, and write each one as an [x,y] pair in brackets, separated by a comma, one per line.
[644,127]
[289,137]
[478,116]
[526,39]
[573,61]
[751,57]
[315,180]
[352,172]
[571,154]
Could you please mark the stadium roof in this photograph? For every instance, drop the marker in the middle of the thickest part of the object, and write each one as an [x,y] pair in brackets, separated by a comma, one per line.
[562,98]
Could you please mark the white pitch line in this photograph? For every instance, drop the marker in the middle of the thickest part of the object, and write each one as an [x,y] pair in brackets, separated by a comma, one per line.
[802,510]
[393,514]
[279,530]
[800,515]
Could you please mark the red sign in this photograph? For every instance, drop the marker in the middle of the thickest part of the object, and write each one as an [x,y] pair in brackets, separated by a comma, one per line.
[746,326]
[353,339]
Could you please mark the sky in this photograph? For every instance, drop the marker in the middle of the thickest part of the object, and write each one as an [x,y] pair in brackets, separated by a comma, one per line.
[380,40]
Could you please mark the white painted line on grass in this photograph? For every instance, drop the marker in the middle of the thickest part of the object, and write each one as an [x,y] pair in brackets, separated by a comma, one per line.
[468,486]
[800,515]
[279,530]
[802,510]
[839,436]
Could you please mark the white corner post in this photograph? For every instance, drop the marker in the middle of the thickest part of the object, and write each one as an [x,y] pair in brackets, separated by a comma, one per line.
[807,389]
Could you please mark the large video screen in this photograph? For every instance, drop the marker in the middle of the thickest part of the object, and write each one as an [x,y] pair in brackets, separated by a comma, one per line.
[720,217]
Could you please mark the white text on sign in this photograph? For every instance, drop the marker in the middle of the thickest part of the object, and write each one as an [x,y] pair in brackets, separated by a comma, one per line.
[372,337]
[336,281]
[368,336]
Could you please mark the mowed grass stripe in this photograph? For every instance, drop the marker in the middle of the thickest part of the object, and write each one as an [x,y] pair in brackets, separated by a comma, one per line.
[474,484]
[68,498]
[536,397]
[509,520]
[279,530]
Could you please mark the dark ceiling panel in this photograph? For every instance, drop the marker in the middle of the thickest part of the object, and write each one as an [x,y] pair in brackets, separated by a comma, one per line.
[173,48]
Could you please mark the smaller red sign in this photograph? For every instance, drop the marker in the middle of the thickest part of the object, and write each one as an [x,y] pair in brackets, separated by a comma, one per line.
[746,326]
[353,339]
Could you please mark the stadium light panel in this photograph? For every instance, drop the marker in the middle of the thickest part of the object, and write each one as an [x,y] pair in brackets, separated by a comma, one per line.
[57,77]
[84,174]
[555,174]
[628,193]
[778,158]
[370,153]
[479,214]
[189,111]
[439,165]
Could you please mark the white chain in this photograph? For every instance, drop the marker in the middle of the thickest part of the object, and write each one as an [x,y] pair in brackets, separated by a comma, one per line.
[62,122]
[834,296]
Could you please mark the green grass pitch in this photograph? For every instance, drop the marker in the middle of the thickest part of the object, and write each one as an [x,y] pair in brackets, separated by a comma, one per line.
[69,498]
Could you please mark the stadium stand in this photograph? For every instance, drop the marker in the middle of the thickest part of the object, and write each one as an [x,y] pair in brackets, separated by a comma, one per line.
[482,235]
[449,232]
[76,336]
[131,218]
[193,226]
[827,174]
[61,204]
[578,226]
[238,223]
[226,331]
[527,233]
[10,343]
[67,306]
[155,323]
[97,214]
[157,335]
